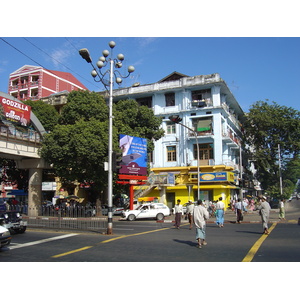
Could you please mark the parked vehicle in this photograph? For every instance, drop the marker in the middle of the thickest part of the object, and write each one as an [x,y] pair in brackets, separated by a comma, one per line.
[5,236]
[115,210]
[11,219]
[157,211]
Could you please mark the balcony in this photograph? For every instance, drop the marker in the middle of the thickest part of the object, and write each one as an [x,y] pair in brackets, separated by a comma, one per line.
[201,133]
[231,138]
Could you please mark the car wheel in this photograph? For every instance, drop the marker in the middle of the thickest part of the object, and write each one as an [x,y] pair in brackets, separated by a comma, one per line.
[21,230]
[131,217]
[160,217]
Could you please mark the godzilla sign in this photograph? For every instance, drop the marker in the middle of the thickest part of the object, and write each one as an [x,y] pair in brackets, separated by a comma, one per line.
[14,111]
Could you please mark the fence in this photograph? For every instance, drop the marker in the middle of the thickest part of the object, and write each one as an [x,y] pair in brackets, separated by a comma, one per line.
[76,218]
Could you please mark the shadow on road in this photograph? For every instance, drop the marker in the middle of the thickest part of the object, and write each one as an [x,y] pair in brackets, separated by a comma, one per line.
[252,232]
[189,243]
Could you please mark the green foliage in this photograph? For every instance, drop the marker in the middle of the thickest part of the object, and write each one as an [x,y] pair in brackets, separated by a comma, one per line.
[46,113]
[266,127]
[78,146]
[77,151]
[135,120]
[84,105]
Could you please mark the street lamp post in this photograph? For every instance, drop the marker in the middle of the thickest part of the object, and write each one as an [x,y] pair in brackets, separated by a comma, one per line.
[176,119]
[99,76]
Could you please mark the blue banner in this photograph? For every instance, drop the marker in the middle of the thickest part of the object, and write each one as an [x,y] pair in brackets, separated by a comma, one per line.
[134,159]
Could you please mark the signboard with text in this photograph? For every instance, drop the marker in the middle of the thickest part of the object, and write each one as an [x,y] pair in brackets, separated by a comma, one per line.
[217,176]
[15,111]
[134,155]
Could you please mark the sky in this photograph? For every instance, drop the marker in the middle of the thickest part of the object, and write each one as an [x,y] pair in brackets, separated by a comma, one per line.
[254,68]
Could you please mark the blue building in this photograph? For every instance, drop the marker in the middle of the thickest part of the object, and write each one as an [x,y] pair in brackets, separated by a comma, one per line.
[207,140]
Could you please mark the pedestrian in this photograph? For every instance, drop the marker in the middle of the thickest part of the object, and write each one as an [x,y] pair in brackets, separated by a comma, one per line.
[281,209]
[189,213]
[220,211]
[264,211]
[178,210]
[239,211]
[200,214]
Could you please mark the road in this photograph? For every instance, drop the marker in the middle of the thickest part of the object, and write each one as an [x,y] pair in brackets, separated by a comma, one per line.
[149,241]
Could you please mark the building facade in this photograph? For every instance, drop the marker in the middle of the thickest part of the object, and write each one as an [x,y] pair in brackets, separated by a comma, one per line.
[207,140]
[33,83]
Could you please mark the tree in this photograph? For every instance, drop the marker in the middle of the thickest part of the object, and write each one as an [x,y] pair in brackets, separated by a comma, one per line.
[266,127]
[132,119]
[77,146]
[46,113]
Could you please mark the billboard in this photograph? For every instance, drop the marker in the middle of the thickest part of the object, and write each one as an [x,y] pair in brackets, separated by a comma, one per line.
[14,111]
[217,176]
[134,155]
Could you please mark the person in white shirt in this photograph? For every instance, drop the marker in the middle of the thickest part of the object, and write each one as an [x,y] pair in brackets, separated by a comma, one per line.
[189,213]
[178,210]
[220,210]
[281,210]
[200,214]
[264,211]
[239,211]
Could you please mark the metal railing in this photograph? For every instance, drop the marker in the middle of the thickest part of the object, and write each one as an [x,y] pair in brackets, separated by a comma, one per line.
[76,218]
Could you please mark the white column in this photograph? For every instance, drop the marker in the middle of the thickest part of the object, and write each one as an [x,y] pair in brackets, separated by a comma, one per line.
[34,191]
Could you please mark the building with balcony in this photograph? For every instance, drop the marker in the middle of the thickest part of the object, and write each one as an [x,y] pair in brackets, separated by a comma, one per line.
[212,120]
[33,83]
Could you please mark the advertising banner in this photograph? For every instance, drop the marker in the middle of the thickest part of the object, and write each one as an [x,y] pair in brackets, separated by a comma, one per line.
[217,176]
[134,155]
[15,112]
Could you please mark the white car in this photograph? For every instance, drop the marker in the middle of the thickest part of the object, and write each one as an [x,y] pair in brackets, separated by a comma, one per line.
[5,237]
[157,211]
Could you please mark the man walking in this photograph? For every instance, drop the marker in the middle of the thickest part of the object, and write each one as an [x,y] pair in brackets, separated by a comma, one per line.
[200,215]
[220,210]
[264,211]
[281,209]
[239,211]
[178,210]
[189,213]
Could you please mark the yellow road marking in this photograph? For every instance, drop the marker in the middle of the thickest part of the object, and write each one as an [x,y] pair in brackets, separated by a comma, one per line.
[106,241]
[257,245]
[73,251]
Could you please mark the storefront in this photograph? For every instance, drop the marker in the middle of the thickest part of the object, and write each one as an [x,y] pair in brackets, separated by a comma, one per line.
[220,181]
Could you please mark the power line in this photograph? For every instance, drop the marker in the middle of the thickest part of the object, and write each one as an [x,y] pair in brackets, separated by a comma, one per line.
[58,60]
[22,52]
[39,64]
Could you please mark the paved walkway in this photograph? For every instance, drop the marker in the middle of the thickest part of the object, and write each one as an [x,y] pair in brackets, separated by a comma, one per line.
[292,215]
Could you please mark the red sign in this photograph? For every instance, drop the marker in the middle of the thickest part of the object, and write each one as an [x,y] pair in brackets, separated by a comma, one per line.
[16,111]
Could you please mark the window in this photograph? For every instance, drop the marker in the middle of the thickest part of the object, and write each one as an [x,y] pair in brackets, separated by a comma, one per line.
[201,98]
[170,99]
[202,124]
[171,128]
[150,157]
[171,153]
[206,151]
[146,101]
[201,95]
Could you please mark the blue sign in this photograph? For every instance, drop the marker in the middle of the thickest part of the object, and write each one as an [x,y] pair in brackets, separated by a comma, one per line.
[134,159]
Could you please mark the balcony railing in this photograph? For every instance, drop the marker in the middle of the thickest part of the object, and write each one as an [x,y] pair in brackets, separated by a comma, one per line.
[200,133]
[26,135]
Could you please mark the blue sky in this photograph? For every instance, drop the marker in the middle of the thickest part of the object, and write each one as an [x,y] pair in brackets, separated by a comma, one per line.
[254,68]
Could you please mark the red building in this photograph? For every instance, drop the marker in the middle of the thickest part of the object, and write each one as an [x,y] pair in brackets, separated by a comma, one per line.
[33,83]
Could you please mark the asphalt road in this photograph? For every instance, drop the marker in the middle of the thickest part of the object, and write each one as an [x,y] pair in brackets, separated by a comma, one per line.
[149,241]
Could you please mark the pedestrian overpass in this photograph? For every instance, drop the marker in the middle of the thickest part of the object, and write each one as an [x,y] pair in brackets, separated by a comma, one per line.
[21,143]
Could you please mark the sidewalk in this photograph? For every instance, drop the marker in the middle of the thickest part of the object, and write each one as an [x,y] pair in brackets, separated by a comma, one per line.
[292,215]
